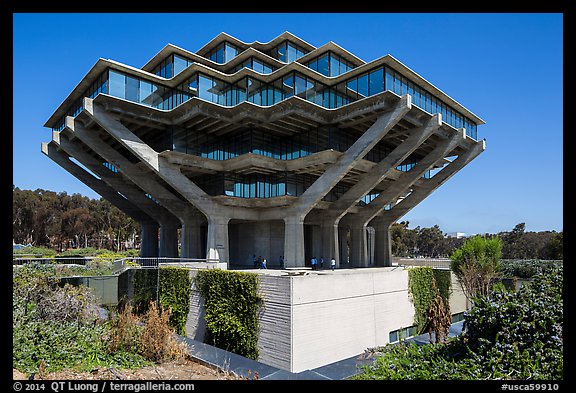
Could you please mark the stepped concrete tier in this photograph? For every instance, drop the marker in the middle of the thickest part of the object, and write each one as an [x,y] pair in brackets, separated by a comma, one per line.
[280,149]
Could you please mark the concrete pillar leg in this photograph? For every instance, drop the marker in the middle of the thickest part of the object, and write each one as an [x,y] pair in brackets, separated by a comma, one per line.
[217,239]
[358,246]
[382,246]
[294,241]
[370,237]
[168,241]
[330,242]
[190,240]
[148,240]
[342,246]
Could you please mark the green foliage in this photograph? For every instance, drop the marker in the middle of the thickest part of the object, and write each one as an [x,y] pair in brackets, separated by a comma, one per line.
[422,284]
[145,283]
[525,268]
[515,335]
[475,264]
[232,302]
[56,326]
[42,252]
[175,286]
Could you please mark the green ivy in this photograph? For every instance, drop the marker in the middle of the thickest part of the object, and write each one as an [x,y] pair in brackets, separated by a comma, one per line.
[420,288]
[175,286]
[145,281]
[232,302]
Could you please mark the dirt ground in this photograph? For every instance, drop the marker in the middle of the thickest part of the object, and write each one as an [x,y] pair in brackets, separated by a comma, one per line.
[175,370]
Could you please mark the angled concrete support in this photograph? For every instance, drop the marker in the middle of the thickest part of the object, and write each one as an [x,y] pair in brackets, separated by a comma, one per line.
[382,243]
[143,180]
[190,239]
[217,245]
[346,161]
[294,241]
[338,209]
[148,240]
[400,186]
[419,193]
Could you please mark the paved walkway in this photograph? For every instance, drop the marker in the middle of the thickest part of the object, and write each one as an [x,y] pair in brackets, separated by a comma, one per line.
[245,367]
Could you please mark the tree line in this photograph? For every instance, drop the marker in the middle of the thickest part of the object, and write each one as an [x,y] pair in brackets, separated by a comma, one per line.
[516,244]
[60,221]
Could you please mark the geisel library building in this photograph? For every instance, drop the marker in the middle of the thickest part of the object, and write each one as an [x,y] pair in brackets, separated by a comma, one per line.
[272,149]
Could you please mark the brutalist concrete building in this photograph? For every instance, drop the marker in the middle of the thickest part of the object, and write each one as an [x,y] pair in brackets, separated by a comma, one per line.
[277,149]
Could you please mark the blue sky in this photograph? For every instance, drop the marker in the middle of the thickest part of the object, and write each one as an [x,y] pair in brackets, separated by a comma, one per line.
[506,68]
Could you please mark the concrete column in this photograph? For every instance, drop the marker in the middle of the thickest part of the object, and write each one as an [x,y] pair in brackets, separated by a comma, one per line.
[370,237]
[217,239]
[330,242]
[148,240]
[382,244]
[358,246]
[294,241]
[168,241]
[342,246]
[190,239]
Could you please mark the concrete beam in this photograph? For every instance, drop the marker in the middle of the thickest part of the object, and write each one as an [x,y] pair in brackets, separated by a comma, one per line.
[347,161]
[116,181]
[421,192]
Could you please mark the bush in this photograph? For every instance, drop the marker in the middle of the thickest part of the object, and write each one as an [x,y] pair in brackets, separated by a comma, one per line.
[44,252]
[175,286]
[231,300]
[475,264]
[157,342]
[423,285]
[509,335]
[525,268]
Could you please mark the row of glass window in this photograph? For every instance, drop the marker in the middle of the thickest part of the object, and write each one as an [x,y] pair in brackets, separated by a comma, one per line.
[287,52]
[223,53]
[330,64]
[256,65]
[249,89]
[263,143]
[171,66]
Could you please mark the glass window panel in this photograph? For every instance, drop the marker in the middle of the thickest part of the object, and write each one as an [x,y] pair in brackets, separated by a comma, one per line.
[258,67]
[131,89]
[334,66]
[266,69]
[204,87]
[229,52]
[313,65]
[389,80]
[363,85]
[117,84]
[300,86]
[352,86]
[180,64]
[376,81]
[292,55]
[288,87]
[324,65]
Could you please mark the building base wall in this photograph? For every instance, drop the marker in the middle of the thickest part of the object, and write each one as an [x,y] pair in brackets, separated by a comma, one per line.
[308,321]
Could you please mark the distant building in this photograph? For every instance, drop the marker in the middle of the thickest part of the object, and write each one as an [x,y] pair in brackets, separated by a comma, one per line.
[457,235]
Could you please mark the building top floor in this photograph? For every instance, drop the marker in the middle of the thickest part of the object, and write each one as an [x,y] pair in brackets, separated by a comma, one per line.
[226,70]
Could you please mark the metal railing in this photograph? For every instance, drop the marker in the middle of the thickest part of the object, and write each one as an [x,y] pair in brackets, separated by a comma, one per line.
[122,263]
[439,263]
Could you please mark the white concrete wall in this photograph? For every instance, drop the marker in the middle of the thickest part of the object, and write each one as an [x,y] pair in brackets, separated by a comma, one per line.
[317,319]
[336,316]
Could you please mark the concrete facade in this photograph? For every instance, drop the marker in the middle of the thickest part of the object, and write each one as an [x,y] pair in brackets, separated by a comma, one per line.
[210,174]
[308,321]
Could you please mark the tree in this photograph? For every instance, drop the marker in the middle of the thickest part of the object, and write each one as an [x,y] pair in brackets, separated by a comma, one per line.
[475,264]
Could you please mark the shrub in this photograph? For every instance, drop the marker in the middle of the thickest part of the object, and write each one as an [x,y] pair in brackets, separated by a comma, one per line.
[231,300]
[475,264]
[157,342]
[508,335]
[525,268]
[424,284]
[44,252]
[175,286]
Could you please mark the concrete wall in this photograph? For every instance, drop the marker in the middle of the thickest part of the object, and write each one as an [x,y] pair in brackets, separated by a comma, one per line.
[263,238]
[312,320]
[338,316]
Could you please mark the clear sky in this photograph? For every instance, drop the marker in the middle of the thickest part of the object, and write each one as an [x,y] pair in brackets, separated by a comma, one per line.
[506,68]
